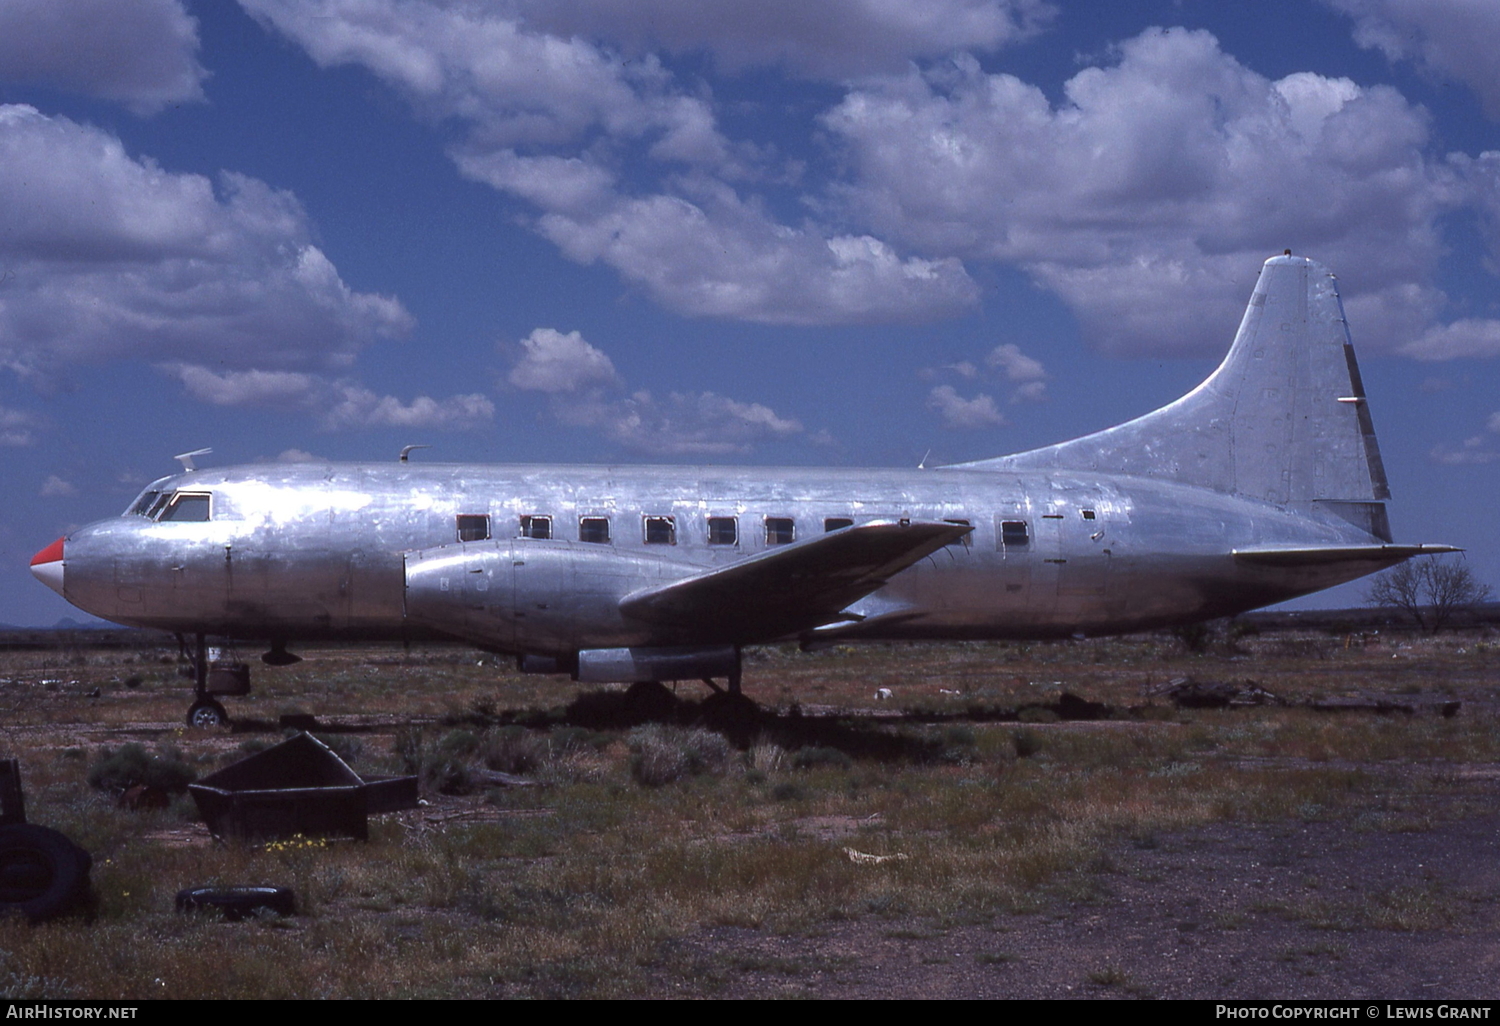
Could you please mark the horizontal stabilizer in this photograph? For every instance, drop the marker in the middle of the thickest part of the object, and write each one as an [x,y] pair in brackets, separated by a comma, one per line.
[791,588]
[1325,556]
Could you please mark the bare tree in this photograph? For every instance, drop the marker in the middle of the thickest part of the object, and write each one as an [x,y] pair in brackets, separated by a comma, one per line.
[1430,591]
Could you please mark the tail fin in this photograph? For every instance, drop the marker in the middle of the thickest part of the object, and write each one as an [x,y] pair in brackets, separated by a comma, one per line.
[1283,419]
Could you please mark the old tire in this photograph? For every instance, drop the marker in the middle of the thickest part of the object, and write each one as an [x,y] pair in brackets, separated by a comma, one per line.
[238,902]
[42,873]
[207,714]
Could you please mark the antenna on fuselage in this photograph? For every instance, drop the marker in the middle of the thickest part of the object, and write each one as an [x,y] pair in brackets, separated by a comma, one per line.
[922,463]
[406,450]
[186,459]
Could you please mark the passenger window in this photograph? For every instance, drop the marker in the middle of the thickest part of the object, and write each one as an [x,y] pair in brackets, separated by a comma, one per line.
[1013,534]
[661,531]
[967,539]
[837,523]
[723,531]
[1088,514]
[780,531]
[536,527]
[473,527]
[594,529]
[187,507]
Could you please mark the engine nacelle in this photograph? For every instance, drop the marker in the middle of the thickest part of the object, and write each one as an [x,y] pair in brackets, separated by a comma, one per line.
[547,597]
[629,665]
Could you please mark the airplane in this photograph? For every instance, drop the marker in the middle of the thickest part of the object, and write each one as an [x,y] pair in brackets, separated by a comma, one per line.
[1262,484]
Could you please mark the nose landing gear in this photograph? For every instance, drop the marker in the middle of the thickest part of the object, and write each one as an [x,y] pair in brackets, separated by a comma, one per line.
[208,714]
[205,712]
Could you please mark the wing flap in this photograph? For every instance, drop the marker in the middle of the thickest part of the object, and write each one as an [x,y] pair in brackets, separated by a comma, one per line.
[791,588]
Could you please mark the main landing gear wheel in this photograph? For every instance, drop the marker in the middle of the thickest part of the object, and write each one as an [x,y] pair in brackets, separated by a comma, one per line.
[208,714]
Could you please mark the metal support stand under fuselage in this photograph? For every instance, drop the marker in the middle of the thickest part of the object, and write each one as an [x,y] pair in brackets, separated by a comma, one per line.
[733,678]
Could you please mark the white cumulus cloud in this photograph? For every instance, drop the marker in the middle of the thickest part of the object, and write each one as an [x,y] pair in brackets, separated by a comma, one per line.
[17,427]
[56,488]
[551,117]
[338,404]
[584,390]
[358,407]
[686,423]
[142,53]
[554,362]
[962,414]
[829,39]
[1149,196]
[1475,451]
[1473,337]
[1016,364]
[1454,39]
[110,256]
[1024,375]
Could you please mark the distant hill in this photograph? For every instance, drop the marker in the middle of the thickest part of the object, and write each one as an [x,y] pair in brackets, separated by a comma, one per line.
[71,634]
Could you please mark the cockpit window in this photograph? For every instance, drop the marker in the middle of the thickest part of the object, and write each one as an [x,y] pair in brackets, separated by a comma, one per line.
[143,505]
[186,507]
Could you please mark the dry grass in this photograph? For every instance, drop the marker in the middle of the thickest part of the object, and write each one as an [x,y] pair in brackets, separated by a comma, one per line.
[586,885]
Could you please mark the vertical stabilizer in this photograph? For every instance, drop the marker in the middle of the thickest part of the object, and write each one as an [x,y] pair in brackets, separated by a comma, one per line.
[1283,419]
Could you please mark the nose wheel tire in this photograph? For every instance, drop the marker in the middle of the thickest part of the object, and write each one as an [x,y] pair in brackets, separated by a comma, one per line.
[208,714]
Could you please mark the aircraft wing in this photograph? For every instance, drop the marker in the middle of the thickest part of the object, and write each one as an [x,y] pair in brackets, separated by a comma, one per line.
[1324,555]
[791,588]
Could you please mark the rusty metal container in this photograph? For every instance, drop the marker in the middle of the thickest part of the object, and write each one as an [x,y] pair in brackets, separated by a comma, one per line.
[297,787]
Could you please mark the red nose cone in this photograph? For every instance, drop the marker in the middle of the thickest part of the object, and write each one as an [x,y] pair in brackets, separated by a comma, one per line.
[47,566]
[51,554]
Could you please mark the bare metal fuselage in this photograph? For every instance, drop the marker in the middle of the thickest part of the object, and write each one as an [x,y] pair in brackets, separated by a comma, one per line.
[1263,483]
[307,551]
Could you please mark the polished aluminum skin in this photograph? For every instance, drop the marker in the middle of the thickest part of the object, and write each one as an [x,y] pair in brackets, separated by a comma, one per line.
[1262,484]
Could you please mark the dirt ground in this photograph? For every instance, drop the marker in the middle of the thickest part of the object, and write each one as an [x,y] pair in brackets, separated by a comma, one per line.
[1228,911]
[1387,896]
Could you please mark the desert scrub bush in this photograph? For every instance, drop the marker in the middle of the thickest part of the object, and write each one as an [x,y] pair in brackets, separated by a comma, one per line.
[245,749]
[765,756]
[409,748]
[820,757]
[577,755]
[661,754]
[957,745]
[118,770]
[515,750]
[446,769]
[1037,714]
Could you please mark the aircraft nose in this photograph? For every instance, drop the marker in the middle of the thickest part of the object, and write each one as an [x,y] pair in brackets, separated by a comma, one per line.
[47,566]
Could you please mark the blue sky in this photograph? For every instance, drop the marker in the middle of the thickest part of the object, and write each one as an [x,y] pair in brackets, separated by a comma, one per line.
[858,232]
